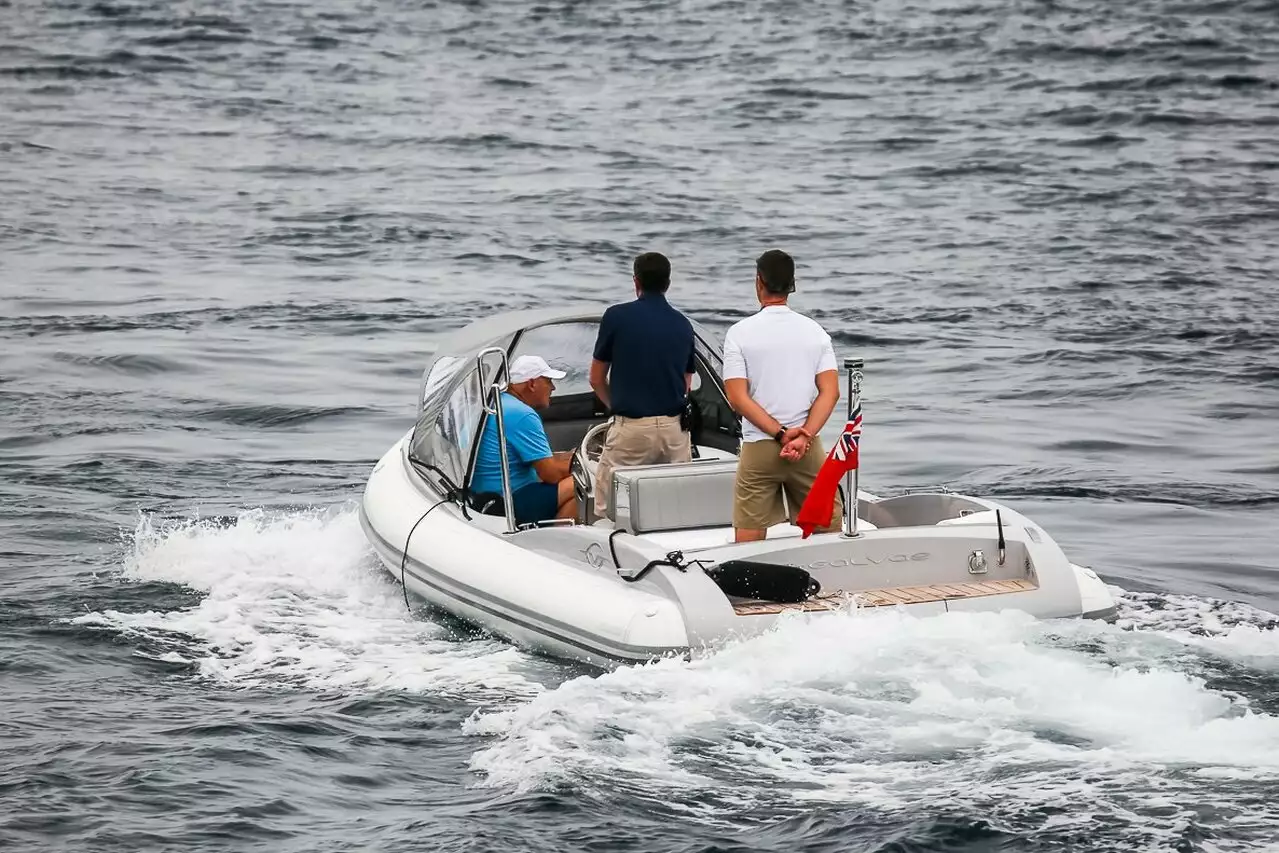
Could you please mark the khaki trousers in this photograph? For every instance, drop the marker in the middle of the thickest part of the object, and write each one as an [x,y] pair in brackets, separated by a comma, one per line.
[638,441]
[763,476]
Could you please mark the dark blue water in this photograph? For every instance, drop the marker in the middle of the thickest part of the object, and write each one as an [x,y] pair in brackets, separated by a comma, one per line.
[230,235]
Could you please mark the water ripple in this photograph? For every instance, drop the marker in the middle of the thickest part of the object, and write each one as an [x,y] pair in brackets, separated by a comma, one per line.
[233,235]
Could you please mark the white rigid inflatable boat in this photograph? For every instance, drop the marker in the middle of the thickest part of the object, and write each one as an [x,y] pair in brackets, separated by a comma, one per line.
[660,575]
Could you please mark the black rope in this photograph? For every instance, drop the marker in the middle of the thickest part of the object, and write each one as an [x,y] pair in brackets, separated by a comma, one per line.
[444,478]
[675,559]
[1000,522]
[613,548]
[404,558]
[445,485]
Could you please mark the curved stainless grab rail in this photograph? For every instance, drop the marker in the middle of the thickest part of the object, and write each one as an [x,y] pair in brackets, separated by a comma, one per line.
[491,400]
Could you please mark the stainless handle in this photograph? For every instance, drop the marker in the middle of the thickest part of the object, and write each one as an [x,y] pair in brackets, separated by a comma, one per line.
[491,400]
[485,380]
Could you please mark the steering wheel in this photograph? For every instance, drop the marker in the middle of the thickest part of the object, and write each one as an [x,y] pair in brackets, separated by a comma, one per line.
[588,451]
[593,442]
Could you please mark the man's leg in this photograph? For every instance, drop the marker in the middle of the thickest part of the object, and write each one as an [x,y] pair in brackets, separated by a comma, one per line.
[675,444]
[800,476]
[566,498]
[525,503]
[628,443]
[604,468]
[757,493]
[542,501]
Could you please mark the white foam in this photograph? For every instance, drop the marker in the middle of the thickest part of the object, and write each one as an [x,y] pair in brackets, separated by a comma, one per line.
[1000,712]
[295,598]
[1238,632]
[1258,645]
[886,710]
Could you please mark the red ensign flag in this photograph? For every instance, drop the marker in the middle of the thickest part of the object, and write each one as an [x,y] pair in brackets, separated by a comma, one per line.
[819,507]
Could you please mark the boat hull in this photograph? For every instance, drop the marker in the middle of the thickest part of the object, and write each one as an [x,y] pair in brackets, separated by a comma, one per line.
[561,591]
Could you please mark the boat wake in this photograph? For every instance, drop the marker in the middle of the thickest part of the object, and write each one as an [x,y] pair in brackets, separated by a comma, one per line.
[1081,730]
[295,599]
[1141,732]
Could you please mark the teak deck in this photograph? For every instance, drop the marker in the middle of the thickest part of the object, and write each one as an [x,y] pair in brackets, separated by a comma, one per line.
[888,596]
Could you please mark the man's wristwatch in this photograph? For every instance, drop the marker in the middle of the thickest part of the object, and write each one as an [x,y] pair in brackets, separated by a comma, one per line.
[779,435]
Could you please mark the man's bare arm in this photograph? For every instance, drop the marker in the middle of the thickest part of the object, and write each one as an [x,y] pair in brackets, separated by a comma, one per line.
[798,439]
[553,468]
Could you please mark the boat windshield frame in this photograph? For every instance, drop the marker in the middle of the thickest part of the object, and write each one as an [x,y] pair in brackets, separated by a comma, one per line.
[449,450]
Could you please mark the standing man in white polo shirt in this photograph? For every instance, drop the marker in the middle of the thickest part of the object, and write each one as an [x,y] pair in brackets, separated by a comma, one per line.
[780,376]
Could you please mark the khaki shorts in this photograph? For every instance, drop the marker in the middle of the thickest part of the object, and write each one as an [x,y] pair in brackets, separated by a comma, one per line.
[763,477]
[638,441]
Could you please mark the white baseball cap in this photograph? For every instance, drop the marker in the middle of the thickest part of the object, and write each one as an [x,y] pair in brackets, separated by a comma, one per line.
[528,367]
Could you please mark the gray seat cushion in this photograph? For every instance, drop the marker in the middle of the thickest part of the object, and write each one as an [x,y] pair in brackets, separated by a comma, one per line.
[678,496]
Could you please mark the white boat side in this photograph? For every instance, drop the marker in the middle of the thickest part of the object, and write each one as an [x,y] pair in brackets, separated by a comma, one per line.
[660,574]
[477,573]
[556,590]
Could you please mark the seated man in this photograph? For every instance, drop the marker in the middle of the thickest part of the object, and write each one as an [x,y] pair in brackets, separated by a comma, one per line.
[541,486]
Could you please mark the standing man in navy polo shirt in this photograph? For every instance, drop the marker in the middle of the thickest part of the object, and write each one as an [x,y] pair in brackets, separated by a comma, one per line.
[642,370]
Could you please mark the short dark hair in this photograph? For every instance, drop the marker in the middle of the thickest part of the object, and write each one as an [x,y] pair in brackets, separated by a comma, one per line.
[777,269]
[653,272]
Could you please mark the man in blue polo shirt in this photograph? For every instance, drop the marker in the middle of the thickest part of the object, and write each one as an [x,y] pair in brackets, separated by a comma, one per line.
[642,370]
[541,486]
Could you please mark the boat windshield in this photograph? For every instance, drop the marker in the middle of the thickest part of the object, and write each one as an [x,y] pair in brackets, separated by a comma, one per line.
[450,397]
[437,376]
[565,346]
[449,418]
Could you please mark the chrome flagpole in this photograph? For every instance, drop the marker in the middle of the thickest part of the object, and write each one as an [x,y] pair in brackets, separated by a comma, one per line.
[854,368]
